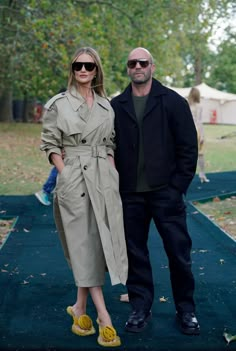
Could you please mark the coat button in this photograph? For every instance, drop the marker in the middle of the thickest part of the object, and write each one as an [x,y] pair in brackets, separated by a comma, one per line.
[85,167]
[83,194]
[104,139]
[84,141]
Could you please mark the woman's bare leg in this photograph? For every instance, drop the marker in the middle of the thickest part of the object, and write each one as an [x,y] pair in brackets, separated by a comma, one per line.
[79,307]
[99,302]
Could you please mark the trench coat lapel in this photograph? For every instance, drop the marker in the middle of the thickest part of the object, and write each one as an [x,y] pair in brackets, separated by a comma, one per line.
[100,111]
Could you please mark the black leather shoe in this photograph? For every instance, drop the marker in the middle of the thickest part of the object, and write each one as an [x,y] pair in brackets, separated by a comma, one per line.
[188,323]
[138,321]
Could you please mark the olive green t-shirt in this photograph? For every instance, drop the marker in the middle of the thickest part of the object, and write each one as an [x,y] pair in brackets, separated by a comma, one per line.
[139,107]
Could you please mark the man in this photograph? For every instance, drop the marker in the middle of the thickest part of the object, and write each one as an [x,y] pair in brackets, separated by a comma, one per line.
[156,158]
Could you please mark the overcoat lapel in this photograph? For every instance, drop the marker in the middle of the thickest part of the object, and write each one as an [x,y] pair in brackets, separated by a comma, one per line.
[99,109]
[127,103]
[78,104]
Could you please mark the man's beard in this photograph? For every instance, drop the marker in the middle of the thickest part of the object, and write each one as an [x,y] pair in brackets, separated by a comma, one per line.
[142,81]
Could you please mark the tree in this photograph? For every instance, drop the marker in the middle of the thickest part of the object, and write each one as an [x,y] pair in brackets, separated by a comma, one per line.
[38,40]
[223,70]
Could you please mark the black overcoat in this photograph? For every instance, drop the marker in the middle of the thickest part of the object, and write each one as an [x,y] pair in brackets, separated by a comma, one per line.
[169,139]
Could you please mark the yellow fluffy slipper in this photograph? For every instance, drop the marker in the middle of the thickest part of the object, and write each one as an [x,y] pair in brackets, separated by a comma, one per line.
[83,325]
[69,310]
[108,336]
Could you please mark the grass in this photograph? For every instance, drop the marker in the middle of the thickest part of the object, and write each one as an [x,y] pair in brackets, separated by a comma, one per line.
[24,167]
[222,212]
[220,148]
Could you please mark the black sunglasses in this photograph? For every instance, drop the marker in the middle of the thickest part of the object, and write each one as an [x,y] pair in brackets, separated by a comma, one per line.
[143,63]
[89,66]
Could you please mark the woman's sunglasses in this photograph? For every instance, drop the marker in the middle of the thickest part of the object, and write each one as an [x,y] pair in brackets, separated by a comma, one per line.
[89,66]
[143,63]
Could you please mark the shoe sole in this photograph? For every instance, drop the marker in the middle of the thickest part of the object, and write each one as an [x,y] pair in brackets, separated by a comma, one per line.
[190,331]
[138,330]
[187,331]
[42,202]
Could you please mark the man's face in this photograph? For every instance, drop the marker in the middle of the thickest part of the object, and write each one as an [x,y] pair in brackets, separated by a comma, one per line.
[140,67]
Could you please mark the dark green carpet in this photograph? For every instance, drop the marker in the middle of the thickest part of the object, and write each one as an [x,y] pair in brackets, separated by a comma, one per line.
[36,284]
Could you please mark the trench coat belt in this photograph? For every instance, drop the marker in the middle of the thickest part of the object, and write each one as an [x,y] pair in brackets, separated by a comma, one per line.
[86,150]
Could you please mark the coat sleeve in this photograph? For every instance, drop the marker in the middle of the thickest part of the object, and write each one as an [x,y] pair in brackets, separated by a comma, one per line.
[51,136]
[110,146]
[186,145]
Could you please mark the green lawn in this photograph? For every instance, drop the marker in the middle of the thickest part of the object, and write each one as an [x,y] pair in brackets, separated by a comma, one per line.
[24,168]
[220,148]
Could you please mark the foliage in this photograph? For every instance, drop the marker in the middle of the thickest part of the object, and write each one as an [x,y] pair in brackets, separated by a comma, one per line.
[225,66]
[37,40]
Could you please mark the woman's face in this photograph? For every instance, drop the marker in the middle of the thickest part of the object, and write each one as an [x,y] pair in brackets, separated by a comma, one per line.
[84,69]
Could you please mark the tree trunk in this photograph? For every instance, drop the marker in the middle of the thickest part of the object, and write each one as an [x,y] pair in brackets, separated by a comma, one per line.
[24,110]
[198,70]
[6,110]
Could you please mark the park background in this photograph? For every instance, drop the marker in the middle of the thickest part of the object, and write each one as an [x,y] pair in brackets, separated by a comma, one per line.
[191,41]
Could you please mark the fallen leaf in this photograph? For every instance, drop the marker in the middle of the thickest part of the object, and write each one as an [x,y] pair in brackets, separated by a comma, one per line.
[229,337]
[216,199]
[163,299]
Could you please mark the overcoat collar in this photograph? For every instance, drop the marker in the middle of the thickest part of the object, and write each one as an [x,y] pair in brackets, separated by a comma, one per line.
[100,105]
[76,100]
[157,89]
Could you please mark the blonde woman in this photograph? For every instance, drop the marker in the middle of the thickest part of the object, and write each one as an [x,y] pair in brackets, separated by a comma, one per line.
[87,205]
[196,109]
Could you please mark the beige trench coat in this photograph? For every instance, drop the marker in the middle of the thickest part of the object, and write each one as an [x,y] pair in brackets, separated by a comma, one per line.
[87,205]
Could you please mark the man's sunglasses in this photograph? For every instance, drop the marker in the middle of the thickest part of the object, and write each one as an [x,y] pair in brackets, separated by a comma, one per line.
[143,63]
[89,66]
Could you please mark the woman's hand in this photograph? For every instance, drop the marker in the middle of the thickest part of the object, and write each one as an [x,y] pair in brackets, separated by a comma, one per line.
[111,159]
[57,161]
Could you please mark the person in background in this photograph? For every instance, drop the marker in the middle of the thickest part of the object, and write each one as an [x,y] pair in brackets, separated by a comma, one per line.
[156,157]
[43,195]
[87,205]
[197,110]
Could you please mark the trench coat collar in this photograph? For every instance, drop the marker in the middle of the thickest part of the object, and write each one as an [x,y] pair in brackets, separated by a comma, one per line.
[157,89]
[76,100]
[100,105]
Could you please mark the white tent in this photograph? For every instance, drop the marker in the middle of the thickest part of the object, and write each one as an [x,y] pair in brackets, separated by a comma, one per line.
[218,106]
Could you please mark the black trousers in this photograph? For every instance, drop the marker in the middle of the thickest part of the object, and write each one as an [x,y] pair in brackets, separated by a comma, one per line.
[166,207]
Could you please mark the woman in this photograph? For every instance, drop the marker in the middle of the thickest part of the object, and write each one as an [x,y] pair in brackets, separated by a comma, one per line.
[87,205]
[196,109]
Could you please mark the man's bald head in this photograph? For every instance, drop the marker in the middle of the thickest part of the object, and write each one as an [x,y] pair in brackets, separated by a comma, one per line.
[140,52]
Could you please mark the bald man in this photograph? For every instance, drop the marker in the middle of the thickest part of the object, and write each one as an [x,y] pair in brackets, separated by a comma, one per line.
[156,158]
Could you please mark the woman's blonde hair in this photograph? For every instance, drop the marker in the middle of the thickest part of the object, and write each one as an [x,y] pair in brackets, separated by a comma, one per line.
[97,82]
[194,96]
